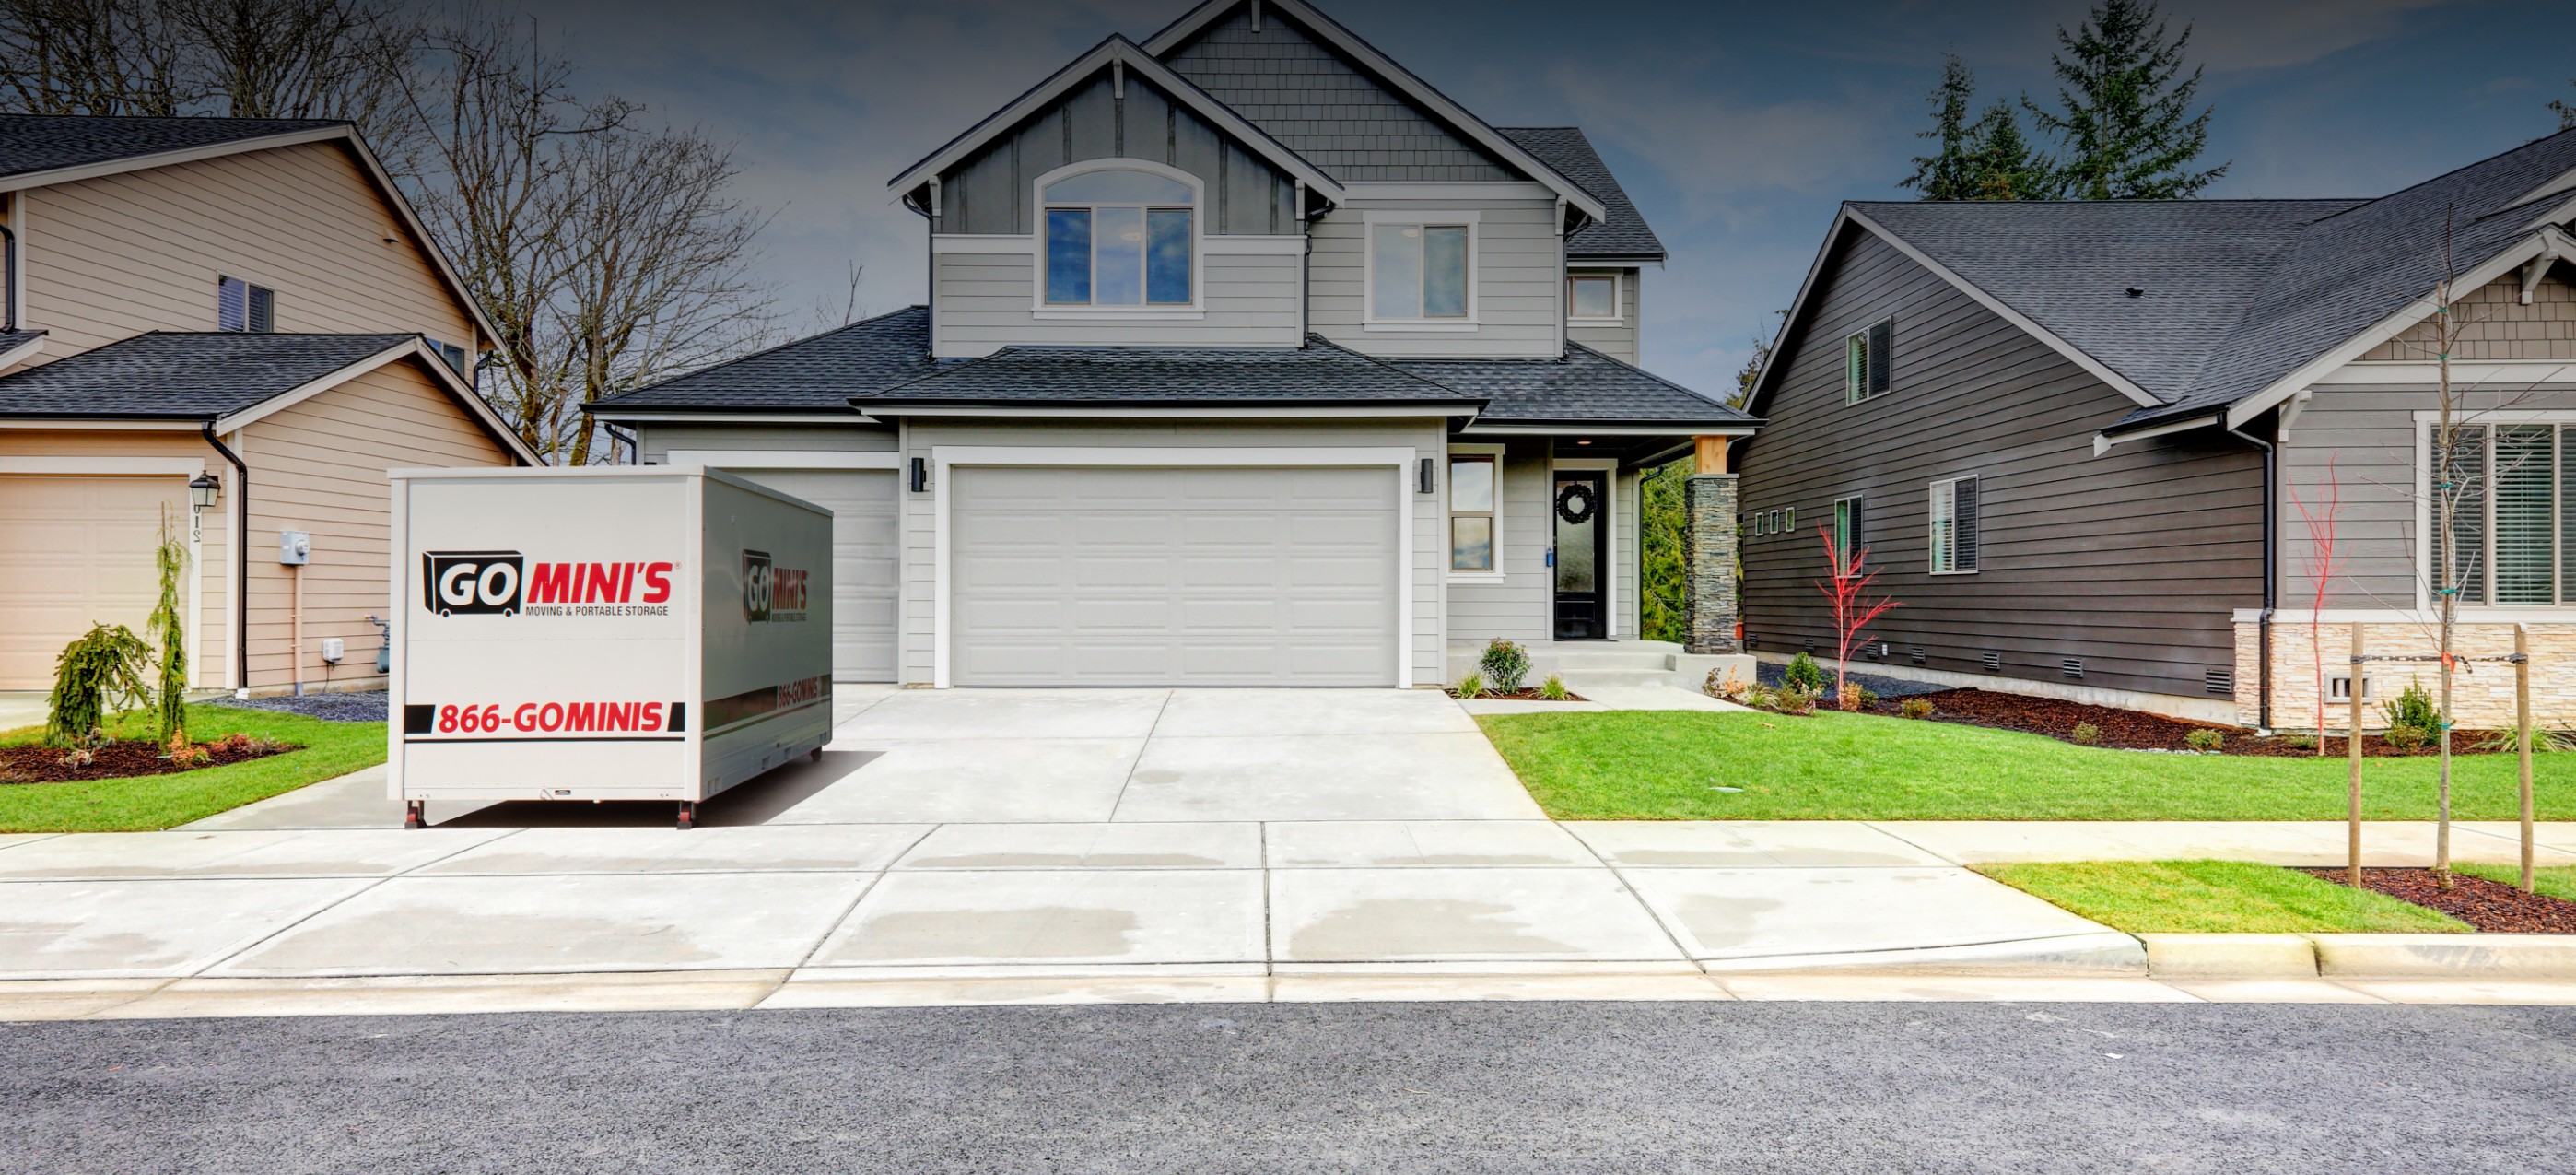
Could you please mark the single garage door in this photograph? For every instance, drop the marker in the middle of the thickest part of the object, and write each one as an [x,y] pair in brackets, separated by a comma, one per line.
[75,551]
[862,502]
[1116,576]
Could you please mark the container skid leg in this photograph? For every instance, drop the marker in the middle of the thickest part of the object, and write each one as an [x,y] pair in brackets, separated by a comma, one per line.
[688,815]
[416,814]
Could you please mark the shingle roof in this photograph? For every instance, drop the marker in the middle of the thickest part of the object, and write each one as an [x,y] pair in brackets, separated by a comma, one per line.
[821,372]
[11,340]
[1623,234]
[1584,386]
[36,142]
[1317,373]
[182,376]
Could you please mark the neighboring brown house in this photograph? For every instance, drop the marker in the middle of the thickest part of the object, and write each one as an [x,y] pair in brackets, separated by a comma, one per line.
[247,304]
[2075,438]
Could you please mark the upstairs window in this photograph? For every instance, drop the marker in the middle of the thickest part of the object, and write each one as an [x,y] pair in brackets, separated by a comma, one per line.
[241,307]
[1847,527]
[1865,361]
[1954,526]
[1592,296]
[1119,238]
[1418,272]
[455,356]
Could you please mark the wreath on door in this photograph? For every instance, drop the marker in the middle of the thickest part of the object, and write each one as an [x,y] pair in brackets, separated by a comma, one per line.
[1577,502]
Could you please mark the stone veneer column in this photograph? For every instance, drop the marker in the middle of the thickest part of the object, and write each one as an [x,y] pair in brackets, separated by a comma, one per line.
[1710,563]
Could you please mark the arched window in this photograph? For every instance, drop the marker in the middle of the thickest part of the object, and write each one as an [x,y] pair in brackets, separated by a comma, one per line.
[1118,237]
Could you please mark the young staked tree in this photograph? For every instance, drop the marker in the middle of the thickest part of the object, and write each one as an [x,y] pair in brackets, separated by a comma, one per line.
[2123,122]
[1984,157]
[1846,586]
[2323,516]
[170,631]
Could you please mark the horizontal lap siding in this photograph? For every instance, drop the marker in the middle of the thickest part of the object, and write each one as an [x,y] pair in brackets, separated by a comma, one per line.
[211,664]
[1518,266]
[320,467]
[1617,340]
[1521,607]
[658,440]
[113,257]
[2132,561]
[986,302]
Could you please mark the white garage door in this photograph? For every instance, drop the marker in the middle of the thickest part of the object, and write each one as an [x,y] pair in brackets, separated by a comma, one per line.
[1116,576]
[862,502]
[78,551]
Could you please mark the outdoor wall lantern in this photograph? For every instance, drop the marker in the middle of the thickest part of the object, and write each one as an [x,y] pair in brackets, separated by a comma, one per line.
[203,489]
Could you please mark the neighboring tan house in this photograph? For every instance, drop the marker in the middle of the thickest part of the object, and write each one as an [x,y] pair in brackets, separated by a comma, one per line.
[2077,439]
[245,304]
[1250,359]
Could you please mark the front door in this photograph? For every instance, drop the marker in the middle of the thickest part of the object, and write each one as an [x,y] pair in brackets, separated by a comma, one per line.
[1582,555]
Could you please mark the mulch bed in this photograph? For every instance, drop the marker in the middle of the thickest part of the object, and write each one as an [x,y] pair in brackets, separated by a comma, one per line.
[1524,694]
[2491,906]
[2131,729]
[116,760]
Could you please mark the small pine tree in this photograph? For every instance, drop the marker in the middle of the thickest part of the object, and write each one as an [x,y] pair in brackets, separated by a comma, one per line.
[171,557]
[2124,120]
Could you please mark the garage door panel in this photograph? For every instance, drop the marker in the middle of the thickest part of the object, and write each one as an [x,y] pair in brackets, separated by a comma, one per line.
[866,539]
[78,552]
[1121,576]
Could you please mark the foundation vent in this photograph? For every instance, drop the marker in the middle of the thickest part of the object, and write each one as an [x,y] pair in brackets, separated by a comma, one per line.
[2220,681]
[2071,667]
[1811,644]
[1752,640]
[1915,654]
[1993,661]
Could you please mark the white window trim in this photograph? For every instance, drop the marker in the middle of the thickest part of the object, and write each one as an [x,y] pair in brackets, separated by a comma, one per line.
[1609,546]
[946,459]
[1195,308]
[251,283]
[2426,421]
[1866,361]
[1496,575]
[1369,321]
[1618,301]
[1931,546]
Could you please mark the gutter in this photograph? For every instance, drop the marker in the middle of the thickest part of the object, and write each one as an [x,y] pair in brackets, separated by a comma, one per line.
[2271,578]
[241,560]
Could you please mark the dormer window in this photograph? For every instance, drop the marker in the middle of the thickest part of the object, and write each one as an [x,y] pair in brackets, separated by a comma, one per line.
[1119,237]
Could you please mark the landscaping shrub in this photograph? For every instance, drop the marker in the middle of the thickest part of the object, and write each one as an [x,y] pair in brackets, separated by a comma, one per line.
[2405,737]
[1759,697]
[2085,734]
[1804,674]
[171,556]
[1505,665]
[2413,707]
[182,754]
[1731,687]
[1849,697]
[95,673]
[1553,689]
[2204,740]
[2507,742]
[1472,686]
[1915,708]
[1868,698]
[1799,702]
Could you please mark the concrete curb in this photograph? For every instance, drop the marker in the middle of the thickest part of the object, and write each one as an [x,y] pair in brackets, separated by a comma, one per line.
[2230,956]
[2446,956]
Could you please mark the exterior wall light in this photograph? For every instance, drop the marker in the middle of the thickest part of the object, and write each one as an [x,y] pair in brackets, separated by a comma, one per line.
[203,489]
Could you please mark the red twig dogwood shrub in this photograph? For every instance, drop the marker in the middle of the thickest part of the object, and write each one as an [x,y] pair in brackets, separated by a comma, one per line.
[1845,584]
[2321,517]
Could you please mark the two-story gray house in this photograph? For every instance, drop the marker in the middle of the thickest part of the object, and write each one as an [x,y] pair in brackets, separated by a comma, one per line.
[1250,359]
[2091,446]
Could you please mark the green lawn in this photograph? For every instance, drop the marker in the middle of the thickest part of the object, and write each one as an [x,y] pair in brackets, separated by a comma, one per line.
[162,801]
[1668,765]
[2217,897]
[2557,881]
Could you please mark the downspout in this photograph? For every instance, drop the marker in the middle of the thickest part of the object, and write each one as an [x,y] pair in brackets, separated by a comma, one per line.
[634,443]
[241,560]
[2271,580]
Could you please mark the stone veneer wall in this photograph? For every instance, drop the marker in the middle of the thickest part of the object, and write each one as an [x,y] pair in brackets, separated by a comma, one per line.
[2482,698]
[1712,567]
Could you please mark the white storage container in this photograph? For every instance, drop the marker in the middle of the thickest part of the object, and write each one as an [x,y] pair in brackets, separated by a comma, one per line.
[622,633]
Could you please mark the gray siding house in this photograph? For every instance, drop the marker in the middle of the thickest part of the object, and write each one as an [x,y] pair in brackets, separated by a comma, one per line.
[2089,445]
[1250,359]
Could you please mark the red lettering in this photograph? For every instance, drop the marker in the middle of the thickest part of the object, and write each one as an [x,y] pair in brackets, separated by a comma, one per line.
[550,583]
[626,582]
[581,716]
[599,584]
[652,716]
[550,718]
[657,583]
[617,716]
[524,718]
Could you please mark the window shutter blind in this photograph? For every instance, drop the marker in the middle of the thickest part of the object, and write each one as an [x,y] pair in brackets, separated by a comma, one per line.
[263,309]
[232,304]
[1879,338]
[2467,497]
[1963,524]
[2526,525]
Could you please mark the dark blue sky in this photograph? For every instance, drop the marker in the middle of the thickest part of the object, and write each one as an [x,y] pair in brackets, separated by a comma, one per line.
[1736,127]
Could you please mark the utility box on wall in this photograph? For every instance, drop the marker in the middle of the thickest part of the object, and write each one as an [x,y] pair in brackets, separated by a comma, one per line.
[294,547]
[637,633]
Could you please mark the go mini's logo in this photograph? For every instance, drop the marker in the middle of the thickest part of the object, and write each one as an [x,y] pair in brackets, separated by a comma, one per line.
[472,582]
[504,583]
[771,593]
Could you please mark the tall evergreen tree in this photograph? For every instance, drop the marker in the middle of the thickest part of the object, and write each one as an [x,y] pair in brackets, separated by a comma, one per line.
[1943,174]
[2565,110]
[1984,158]
[2002,164]
[2124,121]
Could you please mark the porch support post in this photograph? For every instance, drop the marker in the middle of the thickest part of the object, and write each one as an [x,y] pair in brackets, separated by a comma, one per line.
[1711,554]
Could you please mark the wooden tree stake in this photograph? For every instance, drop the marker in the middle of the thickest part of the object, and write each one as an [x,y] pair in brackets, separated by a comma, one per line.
[2522,739]
[2352,750]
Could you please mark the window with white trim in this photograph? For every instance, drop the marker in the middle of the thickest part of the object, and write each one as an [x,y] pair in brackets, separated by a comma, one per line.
[2510,491]
[1865,360]
[1419,272]
[455,356]
[243,308]
[1954,526]
[1119,237]
[1847,525]
[1475,514]
[1592,297]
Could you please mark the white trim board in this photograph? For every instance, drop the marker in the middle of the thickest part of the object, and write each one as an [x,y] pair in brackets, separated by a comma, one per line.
[23,351]
[784,459]
[112,466]
[2505,373]
[945,459]
[1502,472]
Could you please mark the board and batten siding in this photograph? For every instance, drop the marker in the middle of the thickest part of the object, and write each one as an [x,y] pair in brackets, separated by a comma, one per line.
[210,662]
[319,466]
[113,257]
[2133,561]
[1518,265]
[1617,340]
[1428,438]
[991,192]
[987,301]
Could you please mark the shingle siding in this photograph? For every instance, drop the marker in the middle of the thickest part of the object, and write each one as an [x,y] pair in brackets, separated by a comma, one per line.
[2499,326]
[2132,561]
[1323,107]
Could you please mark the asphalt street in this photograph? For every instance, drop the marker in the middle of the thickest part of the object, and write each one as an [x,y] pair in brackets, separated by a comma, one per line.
[1353,1087]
